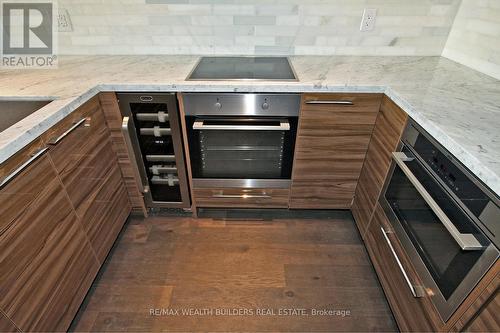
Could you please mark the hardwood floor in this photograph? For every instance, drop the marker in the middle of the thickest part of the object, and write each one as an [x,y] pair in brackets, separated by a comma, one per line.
[235,262]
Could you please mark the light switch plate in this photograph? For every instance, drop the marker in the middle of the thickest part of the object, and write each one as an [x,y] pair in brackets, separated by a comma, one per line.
[63,21]
[368,19]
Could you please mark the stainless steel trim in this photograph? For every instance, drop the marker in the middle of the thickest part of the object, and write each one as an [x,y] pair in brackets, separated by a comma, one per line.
[54,141]
[284,126]
[130,150]
[242,196]
[466,242]
[152,131]
[241,183]
[242,104]
[416,290]
[330,102]
[250,80]
[5,180]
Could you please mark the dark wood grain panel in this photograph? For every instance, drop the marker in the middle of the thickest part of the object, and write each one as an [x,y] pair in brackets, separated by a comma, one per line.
[105,213]
[85,110]
[479,312]
[46,261]
[243,198]
[390,124]
[412,314]
[24,189]
[330,149]
[6,325]
[112,114]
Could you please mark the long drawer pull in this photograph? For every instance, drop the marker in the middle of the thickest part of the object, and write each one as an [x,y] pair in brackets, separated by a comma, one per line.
[416,290]
[55,141]
[242,196]
[339,102]
[5,180]
[467,242]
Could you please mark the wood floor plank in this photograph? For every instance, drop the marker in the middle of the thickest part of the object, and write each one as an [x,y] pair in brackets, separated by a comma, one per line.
[235,263]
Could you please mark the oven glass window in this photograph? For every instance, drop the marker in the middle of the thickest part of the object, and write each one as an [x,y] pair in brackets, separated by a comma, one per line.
[446,261]
[221,152]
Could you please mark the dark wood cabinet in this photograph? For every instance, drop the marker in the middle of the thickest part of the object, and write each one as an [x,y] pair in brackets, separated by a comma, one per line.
[390,124]
[333,136]
[88,169]
[113,118]
[386,253]
[46,261]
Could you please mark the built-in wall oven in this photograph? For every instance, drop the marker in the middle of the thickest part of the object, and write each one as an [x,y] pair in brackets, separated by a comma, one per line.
[241,140]
[447,221]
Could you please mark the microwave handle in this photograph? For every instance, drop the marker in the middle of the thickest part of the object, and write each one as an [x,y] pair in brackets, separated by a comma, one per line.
[467,242]
[283,126]
[416,290]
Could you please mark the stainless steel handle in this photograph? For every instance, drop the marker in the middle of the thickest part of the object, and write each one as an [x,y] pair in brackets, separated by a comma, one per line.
[242,196]
[283,126]
[466,242]
[131,153]
[339,102]
[5,180]
[416,290]
[55,141]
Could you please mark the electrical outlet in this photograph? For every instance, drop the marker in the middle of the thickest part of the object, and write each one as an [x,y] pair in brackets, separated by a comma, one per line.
[368,19]
[63,21]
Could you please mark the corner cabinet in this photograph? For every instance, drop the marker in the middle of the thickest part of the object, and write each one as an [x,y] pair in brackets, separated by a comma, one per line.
[389,127]
[332,139]
[63,204]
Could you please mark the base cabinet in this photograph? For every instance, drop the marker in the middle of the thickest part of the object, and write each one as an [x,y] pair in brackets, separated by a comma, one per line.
[46,261]
[390,124]
[332,139]
[411,313]
[63,203]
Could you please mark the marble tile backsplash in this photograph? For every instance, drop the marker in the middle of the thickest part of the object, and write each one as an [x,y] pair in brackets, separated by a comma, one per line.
[474,39]
[301,27]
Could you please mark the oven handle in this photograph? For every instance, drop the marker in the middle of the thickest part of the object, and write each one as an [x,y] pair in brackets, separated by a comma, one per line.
[467,242]
[283,126]
[416,290]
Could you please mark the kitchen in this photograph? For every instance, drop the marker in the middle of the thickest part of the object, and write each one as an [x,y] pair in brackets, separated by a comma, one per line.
[252,166]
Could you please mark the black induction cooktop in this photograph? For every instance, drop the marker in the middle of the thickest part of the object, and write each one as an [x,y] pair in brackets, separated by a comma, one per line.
[243,68]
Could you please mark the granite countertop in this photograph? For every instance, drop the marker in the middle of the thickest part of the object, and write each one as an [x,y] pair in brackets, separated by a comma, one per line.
[460,107]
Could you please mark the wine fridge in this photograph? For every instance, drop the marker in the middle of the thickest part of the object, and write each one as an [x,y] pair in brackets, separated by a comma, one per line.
[153,137]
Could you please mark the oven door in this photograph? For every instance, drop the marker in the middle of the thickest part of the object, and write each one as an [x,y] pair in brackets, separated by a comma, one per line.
[241,148]
[446,247]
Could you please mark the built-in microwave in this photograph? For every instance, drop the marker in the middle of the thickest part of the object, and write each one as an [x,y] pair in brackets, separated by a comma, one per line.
[447,220]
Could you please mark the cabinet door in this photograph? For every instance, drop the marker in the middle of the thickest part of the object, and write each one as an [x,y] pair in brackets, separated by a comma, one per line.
[390,124]
[46,261]
[332,139]
[411,313]
[88,168]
